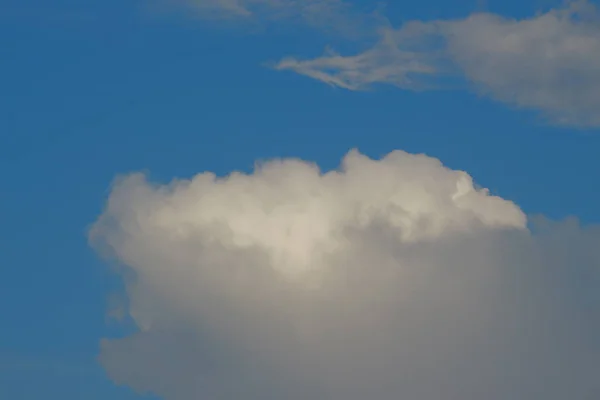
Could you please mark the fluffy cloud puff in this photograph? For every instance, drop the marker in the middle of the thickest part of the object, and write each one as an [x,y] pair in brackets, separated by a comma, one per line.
[549,62]
[386,279]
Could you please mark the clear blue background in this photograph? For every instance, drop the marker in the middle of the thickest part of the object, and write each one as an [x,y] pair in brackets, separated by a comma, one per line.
[92,89]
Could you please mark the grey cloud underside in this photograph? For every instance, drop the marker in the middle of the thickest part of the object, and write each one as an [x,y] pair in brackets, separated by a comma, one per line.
[388,279]
[471,327]
[549,62]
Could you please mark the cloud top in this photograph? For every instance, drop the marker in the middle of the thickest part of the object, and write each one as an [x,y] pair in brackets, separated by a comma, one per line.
[293,212]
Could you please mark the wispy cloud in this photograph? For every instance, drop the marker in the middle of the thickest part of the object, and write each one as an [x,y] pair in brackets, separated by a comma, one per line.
[325,14]
[549,62]
[385,63]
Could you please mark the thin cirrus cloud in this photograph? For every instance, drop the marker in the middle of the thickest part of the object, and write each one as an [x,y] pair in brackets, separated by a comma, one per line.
[549,62]
[391,278]
[247,8]
[331,14]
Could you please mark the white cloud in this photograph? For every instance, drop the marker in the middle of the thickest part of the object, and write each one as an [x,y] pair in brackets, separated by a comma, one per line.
[391,278]
[549,62]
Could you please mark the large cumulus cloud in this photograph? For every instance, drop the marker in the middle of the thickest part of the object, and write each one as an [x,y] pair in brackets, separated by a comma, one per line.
[386,279]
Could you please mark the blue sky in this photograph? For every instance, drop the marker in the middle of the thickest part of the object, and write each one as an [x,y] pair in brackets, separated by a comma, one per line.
[96,89]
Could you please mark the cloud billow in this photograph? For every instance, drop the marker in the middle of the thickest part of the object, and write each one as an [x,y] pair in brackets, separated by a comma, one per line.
[385,279]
